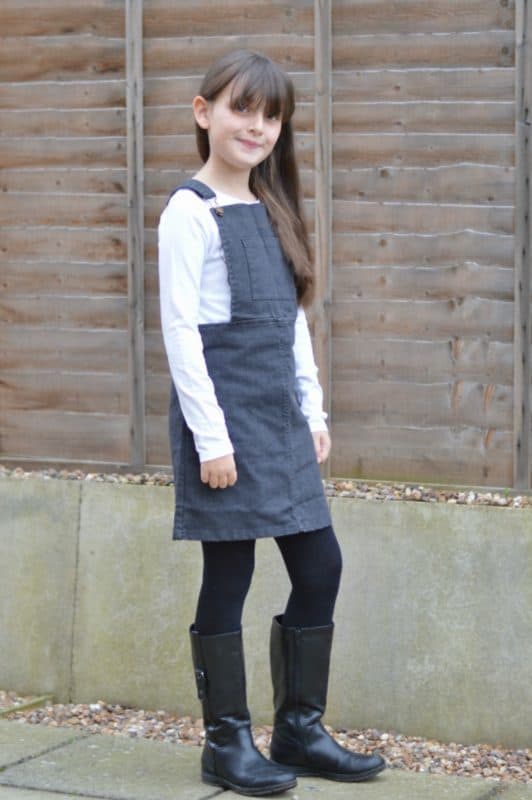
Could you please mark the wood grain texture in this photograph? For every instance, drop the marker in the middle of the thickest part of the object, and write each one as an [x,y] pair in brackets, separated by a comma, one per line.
[523,247]
[471,49]
[443,404]
[423,361]
[463,456]
[450,183]
[427,116]
[423,249]
[415,149]
[456,82]
[420,16]
[135,231]
[61,58]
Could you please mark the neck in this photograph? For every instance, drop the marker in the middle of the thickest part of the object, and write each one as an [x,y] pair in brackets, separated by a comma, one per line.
[233,183]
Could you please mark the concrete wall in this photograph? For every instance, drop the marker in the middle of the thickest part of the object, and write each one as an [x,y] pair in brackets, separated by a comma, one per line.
[433,623]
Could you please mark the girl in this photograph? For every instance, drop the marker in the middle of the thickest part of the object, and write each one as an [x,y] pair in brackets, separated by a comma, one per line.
[247,430]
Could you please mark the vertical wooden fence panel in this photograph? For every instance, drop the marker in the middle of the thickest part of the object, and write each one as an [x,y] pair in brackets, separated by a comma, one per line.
[523,245]
[135,164]
[323,196]
[63,258]
[423,240]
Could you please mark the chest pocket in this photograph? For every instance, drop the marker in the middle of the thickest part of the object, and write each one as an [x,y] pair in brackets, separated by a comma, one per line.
[270,277]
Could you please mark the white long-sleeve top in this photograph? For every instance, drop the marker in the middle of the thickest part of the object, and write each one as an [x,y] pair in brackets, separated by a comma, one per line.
[194,290]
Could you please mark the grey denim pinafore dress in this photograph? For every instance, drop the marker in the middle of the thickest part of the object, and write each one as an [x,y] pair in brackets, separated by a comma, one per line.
[251,363]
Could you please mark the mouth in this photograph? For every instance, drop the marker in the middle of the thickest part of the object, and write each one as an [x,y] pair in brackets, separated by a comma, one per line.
[249,144]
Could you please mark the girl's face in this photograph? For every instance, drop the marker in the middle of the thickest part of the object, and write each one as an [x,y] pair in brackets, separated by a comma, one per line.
[239,137]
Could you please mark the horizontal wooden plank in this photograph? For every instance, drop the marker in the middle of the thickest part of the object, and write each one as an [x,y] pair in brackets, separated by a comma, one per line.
[59,435]
[368,216]
[426,116]
[460,316]
[64,122]
[478,359]
[60,278]
[65,312]
[83,210]
[426,249]
[165,152]
[35,18]
[65,391]
[176,89]
[70,94]
[416,16]
[93,151]
[464,183]
[401,403]
[457,82]
[33,348]
[168,120]
[415,149]
[57,179]
[236,17]
[61,58]
[154,205]
[88,245]
[485,49]
[420,282]
[160,182]
[167,56]
[467,456]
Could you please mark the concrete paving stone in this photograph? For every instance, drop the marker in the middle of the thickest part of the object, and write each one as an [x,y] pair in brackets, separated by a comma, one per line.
[114,767]
[11,793]
[20,741]
[120,768]
[401,785]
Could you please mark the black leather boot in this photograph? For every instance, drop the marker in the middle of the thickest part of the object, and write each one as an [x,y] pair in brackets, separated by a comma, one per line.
[230,758]
[300,672]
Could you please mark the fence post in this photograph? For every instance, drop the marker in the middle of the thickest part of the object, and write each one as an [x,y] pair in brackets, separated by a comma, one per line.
[323,195]
[523,245]
[135,233]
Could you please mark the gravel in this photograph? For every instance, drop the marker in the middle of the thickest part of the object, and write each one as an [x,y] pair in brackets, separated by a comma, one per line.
[334,487]
[401,752]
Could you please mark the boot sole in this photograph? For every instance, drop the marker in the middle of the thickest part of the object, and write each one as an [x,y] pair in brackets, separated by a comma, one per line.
[264,791]
[308,772]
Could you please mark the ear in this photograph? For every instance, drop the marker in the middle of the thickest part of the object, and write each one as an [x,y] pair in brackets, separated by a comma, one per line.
[200,107]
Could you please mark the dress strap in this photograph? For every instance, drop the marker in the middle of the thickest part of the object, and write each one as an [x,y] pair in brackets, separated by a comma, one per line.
[201,189]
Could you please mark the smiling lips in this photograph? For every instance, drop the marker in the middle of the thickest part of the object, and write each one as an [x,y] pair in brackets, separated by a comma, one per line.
[250,144]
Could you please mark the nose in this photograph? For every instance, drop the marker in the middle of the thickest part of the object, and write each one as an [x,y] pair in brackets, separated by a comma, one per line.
[256,121]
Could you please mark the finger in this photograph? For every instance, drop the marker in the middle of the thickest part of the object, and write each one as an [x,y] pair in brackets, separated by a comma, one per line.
[213,480]
[232,478]
[222,483]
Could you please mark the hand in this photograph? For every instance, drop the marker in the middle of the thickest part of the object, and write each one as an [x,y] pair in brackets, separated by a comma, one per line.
[219,473]
[322,445]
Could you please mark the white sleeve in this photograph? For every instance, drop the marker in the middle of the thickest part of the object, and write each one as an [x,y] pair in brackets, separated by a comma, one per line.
[182,249]
[307,376]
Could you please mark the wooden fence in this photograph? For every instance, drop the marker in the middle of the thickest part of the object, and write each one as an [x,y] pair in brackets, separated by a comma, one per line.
[413,143]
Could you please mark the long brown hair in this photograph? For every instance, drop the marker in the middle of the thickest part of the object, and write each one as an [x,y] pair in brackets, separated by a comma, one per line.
[275,181]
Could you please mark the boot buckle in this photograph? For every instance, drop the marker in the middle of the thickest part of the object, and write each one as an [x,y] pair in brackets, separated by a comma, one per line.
[201,683]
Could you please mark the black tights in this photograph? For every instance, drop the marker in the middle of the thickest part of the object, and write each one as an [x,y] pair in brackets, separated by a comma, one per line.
[314,564]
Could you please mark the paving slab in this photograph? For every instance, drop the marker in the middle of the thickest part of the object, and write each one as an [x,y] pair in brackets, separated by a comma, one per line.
[20,741]
[60,765]
[11,793]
